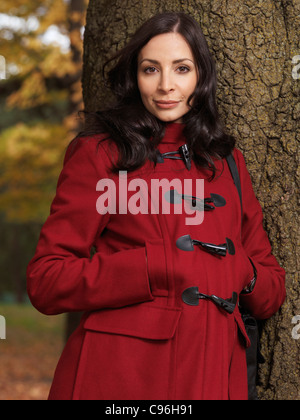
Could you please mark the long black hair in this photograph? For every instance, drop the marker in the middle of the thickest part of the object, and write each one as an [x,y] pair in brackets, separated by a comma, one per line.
[131,126]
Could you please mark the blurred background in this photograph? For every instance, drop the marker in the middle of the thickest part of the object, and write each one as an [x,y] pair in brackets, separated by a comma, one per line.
[41,49]
[40,94]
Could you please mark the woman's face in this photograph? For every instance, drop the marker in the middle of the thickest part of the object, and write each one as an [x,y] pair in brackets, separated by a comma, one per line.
[167,76]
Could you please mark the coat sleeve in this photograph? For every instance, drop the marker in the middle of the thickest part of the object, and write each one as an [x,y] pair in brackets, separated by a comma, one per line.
[269,291]
[62,277]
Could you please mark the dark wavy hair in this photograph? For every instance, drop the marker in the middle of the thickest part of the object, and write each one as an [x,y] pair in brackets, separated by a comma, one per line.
[137,132]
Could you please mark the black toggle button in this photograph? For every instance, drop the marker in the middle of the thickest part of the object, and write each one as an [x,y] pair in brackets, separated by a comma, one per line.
[218,200]
[174,197]
[191,296]
[186,156]
[186,243]
[183,153]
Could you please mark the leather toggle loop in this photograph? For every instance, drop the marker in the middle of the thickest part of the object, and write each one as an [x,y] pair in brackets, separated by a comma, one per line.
[183,153]
[174,197]
[186,243]
[192,296]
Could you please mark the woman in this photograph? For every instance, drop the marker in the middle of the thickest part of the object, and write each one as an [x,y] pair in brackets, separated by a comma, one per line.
[161,319]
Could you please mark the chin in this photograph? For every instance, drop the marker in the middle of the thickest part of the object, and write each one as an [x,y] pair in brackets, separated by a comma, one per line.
[170,119]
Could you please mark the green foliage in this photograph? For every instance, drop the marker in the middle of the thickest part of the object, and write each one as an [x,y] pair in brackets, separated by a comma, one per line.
[30,158]
[38,105]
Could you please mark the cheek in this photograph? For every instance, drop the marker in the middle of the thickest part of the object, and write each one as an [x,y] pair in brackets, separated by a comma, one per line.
[191,85]
[145,87]
[189,89]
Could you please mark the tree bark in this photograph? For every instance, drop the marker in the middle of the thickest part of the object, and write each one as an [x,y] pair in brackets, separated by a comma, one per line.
[253,42]
[76,15]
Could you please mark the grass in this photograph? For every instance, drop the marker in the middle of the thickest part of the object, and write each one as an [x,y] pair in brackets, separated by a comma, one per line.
[29,354]
[28,321]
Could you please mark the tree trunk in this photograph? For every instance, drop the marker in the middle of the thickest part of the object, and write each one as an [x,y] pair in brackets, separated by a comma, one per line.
[253,42]
[76,17]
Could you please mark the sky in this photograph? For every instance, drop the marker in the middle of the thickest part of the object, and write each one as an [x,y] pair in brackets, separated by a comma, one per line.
[10,24]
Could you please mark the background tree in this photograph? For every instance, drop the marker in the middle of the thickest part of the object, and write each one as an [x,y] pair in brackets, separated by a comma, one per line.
[253,43]
[42,46]
[41,42]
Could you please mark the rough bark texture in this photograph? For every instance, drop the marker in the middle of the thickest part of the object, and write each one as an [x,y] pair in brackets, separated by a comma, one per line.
[253,42]
[76,19]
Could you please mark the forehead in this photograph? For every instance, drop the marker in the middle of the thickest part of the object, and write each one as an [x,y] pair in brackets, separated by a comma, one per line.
[166,47]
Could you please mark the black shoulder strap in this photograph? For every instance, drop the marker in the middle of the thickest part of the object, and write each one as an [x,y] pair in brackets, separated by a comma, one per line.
[236,177]
[253,351]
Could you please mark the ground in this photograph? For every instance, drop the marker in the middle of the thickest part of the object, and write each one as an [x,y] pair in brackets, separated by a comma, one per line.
[30,353]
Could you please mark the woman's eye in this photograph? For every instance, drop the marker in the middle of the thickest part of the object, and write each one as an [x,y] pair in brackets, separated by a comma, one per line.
[150,70]
[183,69]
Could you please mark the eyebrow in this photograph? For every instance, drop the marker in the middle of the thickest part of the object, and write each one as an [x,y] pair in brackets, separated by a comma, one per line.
[180,60]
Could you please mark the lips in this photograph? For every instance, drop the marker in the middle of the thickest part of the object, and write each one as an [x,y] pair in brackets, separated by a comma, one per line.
[167,104]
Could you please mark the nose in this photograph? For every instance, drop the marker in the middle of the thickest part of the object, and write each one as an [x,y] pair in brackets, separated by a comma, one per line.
[166,82]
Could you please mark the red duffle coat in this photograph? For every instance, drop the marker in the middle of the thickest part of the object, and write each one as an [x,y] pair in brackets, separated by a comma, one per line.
[137,338]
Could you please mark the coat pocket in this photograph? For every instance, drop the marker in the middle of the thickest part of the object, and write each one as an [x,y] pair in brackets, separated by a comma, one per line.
[142,321]
[128,354]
